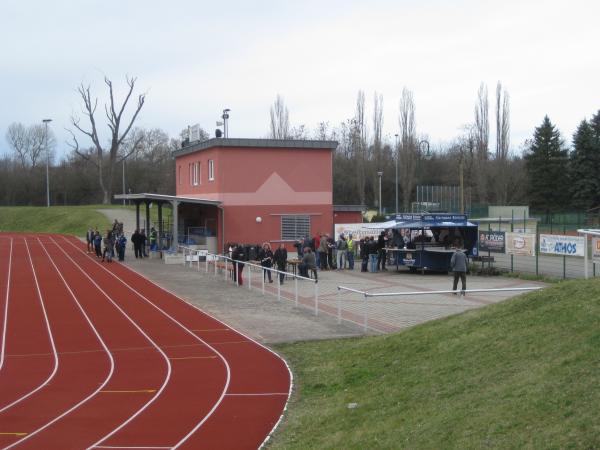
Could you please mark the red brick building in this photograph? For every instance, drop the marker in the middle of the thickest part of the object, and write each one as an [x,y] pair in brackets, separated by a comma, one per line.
[268,190]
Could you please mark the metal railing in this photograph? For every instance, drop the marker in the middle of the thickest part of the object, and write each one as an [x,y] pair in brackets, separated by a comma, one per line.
[366,295]
[227,268]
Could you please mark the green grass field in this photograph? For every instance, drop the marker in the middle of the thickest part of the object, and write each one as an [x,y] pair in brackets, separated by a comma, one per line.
[521,374]
[56,219]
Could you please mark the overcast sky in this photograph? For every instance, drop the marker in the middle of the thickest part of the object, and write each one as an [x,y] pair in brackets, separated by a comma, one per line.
[194,58]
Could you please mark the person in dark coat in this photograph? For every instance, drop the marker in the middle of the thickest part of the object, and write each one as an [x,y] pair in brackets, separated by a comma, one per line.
[280,259]
[265,256]
[238,254]
[381,253]
[143,241]
[121,245]
[136,240]
[98,244]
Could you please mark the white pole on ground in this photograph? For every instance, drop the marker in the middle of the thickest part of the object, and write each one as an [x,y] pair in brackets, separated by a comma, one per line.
[250,278]
[296,289]
[262,272]
[339,306]
[585,256]
[278,285]
[226,271]
[366,324]
[316,299]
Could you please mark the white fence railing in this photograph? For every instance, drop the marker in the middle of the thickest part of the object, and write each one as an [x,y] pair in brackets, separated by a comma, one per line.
[364,308]
[253,275]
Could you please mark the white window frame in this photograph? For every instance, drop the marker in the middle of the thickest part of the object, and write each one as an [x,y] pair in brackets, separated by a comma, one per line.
[211,170]
[196,174]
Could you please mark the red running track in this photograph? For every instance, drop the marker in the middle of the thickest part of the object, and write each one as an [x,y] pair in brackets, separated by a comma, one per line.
[96,356]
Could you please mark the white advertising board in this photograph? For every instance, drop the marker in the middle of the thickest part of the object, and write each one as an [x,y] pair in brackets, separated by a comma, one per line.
[520,244]
[357,230]
[596,250]
[554,244]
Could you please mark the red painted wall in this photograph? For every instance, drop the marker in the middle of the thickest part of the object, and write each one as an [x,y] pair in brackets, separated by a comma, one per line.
[265,183]
[347,217]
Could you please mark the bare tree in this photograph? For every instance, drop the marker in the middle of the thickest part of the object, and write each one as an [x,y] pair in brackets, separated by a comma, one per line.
[114,116]
[502,122]
[482,132]
[502,179]
[359,146]
[407,147]
[280,124]
[29,143]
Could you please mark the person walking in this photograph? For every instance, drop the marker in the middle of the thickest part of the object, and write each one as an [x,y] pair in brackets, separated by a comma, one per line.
[280,259]
[238,255]
[458,264]
[266,260]
[121,245]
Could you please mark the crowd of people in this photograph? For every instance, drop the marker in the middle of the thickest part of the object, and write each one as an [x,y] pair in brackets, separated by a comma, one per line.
[114,242]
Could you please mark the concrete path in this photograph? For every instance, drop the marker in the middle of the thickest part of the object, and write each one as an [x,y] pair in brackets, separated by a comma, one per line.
[269,320]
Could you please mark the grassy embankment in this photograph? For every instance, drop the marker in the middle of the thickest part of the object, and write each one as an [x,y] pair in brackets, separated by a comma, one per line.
[56,219]
[521,374]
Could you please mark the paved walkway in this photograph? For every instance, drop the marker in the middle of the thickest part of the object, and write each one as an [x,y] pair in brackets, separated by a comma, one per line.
[270,320]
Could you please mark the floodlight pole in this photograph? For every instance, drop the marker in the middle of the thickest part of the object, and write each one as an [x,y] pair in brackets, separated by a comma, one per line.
[46,121]
[380,174]
[397,157]
[225,117]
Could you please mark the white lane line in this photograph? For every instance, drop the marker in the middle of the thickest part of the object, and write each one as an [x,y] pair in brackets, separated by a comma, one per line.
[134,324]
[122,446]
[6,306]
[291,375]
[167,377]
[100,340]
[51,339]
[112,363]
[187,330]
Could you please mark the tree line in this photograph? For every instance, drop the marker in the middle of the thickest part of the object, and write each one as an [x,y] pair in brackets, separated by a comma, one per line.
[543,172]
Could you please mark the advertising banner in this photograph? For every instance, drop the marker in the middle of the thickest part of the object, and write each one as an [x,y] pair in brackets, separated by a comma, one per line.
[522,244]
[356,230]
[596,250]
[492,241]
[554,244]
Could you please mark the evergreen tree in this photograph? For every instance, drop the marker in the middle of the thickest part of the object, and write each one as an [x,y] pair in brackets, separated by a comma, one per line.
[546,163]
[585,165]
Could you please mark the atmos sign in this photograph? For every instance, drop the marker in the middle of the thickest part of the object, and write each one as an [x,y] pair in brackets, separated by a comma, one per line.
[562,245]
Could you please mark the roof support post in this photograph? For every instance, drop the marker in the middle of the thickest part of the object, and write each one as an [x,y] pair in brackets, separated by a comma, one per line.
[147,218]
[160,226]
[175,241]
[137,215]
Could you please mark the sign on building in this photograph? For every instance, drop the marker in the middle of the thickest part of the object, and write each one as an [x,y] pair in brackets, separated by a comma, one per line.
[492,241]
[522,244]
[596,250]
[562,245]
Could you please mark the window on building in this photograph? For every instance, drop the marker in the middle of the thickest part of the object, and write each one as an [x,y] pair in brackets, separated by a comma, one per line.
[211,170]
[191,173]
[294,227]
[179,174]
[196,174]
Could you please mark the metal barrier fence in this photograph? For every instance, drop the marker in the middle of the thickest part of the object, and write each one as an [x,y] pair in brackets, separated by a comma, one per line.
[254,276]
[369,316]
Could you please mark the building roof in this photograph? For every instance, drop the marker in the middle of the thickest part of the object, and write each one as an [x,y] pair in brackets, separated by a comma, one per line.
[254,143]
[166,198]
